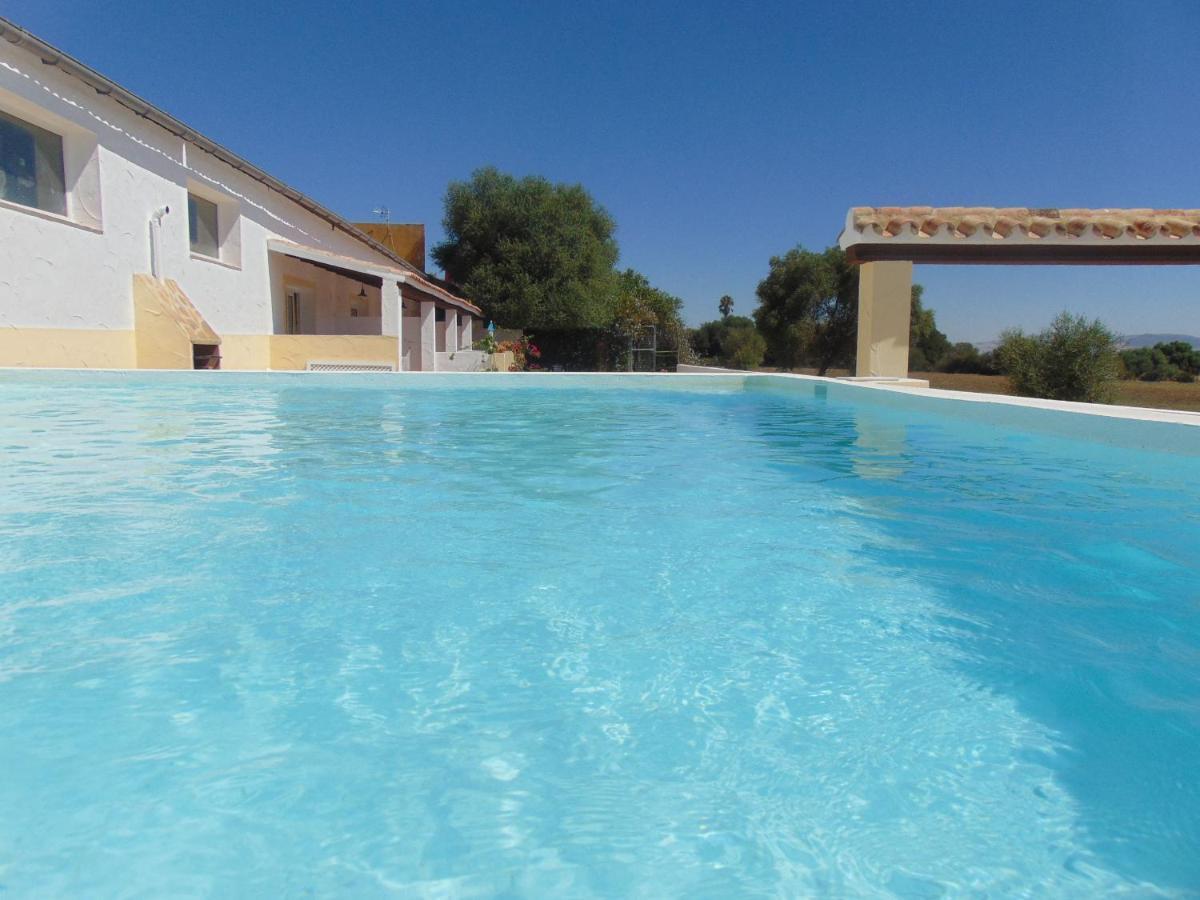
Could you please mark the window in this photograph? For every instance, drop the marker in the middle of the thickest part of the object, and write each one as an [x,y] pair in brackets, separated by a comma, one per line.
[202,226]
[31,166]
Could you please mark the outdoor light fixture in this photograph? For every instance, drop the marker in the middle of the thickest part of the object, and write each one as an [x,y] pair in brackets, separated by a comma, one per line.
[362,292]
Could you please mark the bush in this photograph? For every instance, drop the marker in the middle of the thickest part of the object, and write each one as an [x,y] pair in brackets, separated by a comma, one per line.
[965,359]
[581,349]
[918,361]
[708,339]
[1174,361]
[1073,359]
[731,341]
[744,348]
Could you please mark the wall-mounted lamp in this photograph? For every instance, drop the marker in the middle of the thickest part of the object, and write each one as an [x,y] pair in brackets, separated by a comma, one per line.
[362,292]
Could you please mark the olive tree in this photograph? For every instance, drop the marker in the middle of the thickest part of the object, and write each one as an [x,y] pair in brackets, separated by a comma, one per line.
[1073,359]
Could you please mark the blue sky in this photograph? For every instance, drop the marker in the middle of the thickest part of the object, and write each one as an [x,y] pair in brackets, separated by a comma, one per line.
[717,134]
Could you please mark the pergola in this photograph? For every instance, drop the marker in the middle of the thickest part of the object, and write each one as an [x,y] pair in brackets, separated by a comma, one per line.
[885,241]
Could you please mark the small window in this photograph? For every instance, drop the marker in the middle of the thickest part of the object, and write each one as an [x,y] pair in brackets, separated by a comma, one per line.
[202,226]
[31,166]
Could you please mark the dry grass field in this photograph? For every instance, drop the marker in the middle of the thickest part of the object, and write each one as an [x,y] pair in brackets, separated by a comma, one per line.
[1153,394]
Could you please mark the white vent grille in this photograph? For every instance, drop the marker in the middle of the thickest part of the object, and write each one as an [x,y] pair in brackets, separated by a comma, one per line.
[317,366]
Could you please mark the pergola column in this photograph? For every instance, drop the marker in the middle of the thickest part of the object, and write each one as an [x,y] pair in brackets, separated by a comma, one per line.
[884,311]
[390,311]
[451,329]
[428,336]
[466,339]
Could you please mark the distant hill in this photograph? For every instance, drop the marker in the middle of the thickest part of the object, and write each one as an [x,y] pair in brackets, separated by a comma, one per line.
[1133,341]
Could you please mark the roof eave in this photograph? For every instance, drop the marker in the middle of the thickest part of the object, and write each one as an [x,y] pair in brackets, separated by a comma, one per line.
[52,56]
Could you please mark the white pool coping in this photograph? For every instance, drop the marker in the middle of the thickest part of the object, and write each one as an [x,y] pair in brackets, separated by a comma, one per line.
[898,386]
[1137,413]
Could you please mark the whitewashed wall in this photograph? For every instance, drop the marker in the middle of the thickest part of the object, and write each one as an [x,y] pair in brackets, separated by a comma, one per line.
[78,274]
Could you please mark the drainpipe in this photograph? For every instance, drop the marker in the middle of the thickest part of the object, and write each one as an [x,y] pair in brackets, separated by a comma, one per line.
[156,218]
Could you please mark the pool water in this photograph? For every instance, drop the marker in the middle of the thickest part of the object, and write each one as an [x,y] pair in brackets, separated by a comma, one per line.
[581,636]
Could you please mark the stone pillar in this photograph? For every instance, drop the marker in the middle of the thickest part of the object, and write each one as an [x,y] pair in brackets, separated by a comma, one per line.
[451,330]
[391,324]
[466,339]
[884,310]
[428,336]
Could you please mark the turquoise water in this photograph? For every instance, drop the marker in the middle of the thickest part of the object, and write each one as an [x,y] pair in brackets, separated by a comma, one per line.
[495,636]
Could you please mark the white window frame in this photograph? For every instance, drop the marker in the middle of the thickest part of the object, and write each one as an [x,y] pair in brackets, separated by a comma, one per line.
[197,200]
[37,136]
[81,165]
[229,225]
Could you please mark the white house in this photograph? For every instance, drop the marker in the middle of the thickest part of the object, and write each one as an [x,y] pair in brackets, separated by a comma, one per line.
[127,240]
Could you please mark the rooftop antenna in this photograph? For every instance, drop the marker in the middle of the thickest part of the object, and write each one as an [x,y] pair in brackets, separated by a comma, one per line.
[385,216]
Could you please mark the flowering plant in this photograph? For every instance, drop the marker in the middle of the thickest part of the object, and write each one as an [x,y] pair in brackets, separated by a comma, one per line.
[524,353]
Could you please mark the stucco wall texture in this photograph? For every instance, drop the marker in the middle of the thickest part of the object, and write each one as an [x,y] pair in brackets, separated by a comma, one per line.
[67,282]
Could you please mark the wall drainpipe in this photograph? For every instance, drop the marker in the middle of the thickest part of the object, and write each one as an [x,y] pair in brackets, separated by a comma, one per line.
[156,240]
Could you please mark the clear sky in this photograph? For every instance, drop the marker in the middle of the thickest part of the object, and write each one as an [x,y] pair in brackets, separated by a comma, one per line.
[717,134]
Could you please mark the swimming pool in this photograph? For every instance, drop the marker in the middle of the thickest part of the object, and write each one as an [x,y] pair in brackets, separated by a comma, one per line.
[586,636]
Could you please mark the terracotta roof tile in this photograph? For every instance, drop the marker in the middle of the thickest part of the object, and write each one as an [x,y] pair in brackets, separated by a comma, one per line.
[914,224]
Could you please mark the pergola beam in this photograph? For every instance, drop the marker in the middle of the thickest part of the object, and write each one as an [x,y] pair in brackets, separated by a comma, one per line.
[1028,254]
[885,241]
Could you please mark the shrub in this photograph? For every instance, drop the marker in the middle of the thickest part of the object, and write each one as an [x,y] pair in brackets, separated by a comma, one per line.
[918,361]
[731,341]
[1073,359]
[707,340]
[964,358]
[744,348]
[1174,361]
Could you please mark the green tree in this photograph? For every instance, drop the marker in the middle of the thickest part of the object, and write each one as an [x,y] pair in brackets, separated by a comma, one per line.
[1073,359]
[966,358]
[639,304]
[1182,355]
[926,344]
[725,306]
[808,312]
[1173,361]
[743,348]
[808,308]
[712,342]
[530,253]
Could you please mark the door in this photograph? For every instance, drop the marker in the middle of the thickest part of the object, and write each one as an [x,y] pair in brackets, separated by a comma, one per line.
[299,311]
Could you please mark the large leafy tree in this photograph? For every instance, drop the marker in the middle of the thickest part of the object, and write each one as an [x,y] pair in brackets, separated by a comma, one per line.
[808,308]
[530,253]
[808,313]
[927,345]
